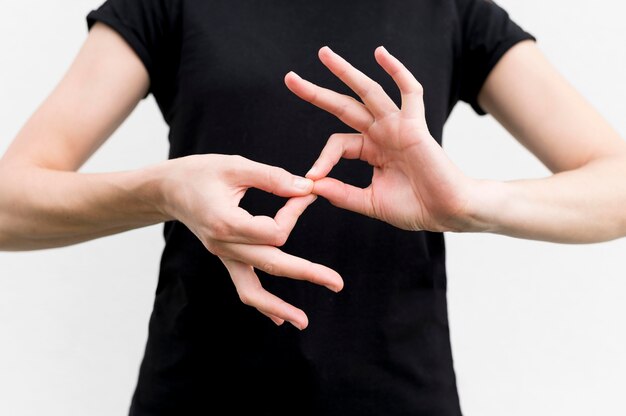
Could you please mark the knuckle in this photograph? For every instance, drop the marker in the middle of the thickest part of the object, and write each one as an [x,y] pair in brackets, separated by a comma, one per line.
[334,138]
[377,87]
[211,246]
[280,173]
[281,237]
[309,264]
[246,297]
[250,295]
[232,169]
[230,173]
[270,266]
[215,247]
[363,92]
[418,88]
[274,177]
[220,230]
[373,87]
[312,272]
[313,97]
[341,110]
[238,159]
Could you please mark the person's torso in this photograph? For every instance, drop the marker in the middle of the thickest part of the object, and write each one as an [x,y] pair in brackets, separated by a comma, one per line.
[379,347]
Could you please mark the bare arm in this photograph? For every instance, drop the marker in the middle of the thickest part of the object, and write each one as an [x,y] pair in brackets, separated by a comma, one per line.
[415,186]
[45,202]
[584,200]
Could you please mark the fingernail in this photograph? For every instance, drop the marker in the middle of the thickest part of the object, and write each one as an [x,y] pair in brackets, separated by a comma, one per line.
[384,49]
[311,171]
[294,74]
[303,184]
[339,287]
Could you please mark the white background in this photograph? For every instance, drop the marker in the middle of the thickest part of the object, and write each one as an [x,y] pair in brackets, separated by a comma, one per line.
[537,328]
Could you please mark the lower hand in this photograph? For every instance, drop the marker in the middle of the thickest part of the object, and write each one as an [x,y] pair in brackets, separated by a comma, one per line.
[204,191]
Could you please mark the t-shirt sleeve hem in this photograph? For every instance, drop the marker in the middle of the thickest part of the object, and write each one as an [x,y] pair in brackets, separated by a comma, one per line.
[495,58]
[133,41]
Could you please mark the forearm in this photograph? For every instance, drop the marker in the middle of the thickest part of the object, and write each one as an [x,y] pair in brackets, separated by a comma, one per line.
[584,205]
[42,208]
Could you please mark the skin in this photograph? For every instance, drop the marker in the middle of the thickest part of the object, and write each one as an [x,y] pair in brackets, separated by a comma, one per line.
[414,184]
[45,202]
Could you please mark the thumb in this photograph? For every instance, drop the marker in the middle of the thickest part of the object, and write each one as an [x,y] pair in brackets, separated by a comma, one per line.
[346,196]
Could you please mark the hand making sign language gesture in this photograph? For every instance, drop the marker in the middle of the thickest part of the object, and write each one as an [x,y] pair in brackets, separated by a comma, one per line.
[414,184]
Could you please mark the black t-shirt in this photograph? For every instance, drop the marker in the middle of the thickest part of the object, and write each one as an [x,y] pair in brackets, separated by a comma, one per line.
[379,347]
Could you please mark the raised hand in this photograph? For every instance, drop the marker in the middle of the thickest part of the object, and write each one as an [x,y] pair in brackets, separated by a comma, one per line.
[204,192]
[414,184]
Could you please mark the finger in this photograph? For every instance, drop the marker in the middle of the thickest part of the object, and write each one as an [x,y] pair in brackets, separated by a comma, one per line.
[275,262]
[252,293]
[346,196]
[270,179]
[239,226]
[344,107]
[411,90]
[349,146]
[274,319]
[288,215]
[372,94]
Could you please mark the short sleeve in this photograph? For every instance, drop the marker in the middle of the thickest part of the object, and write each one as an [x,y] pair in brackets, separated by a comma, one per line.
[487,32]
[149,27]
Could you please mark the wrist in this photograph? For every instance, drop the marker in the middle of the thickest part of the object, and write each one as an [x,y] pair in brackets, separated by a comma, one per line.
[151,186]
[485,203]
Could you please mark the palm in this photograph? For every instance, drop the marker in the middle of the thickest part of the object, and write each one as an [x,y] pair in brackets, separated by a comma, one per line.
[392,195]
[414,185]
[391,202]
